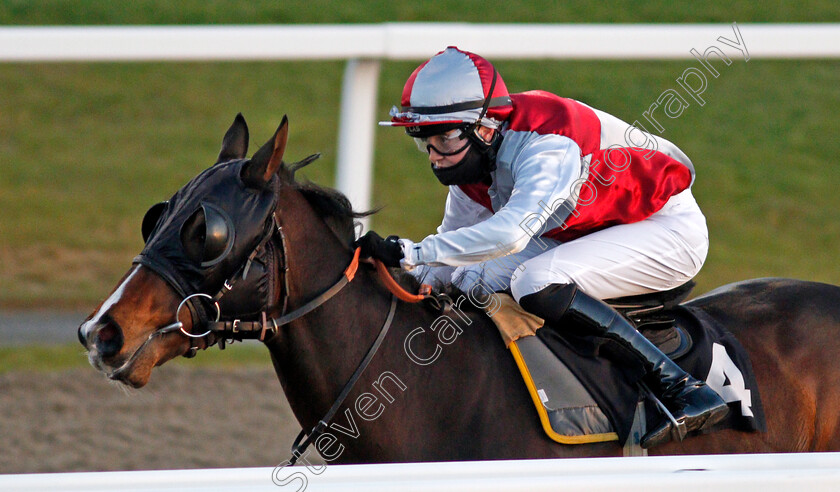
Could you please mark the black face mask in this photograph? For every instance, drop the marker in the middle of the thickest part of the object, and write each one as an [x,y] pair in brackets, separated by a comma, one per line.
[201,258]
[474,167]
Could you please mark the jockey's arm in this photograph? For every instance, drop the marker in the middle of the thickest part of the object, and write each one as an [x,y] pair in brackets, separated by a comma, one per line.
[544,169]
[461,211]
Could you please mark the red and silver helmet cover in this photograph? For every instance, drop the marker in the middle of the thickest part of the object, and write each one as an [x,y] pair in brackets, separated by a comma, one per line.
[451,89]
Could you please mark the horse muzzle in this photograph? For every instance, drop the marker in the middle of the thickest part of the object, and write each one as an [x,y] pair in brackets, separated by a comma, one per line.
[103,338]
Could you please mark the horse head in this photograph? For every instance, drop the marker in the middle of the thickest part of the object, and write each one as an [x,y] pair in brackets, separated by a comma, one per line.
[213,231]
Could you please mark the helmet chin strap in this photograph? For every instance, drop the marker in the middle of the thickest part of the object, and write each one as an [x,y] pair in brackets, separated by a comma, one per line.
[488,149]
[486,105]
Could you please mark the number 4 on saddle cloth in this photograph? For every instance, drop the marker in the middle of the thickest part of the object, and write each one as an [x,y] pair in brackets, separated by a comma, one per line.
[584,398]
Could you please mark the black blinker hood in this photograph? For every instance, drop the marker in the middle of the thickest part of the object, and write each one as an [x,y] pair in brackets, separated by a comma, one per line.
[220,186]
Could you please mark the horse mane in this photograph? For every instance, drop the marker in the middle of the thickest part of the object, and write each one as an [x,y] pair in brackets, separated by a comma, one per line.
[330,204]
[335,208]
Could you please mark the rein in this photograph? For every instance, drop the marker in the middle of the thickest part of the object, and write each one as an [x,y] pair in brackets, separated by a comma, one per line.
[300,444]
[241,330]
[299,447]
[237,329]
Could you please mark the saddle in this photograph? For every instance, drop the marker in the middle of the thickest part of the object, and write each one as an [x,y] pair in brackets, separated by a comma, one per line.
[653,316]
[583,398]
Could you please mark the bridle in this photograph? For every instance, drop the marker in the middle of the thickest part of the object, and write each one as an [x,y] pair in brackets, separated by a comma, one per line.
[219,331]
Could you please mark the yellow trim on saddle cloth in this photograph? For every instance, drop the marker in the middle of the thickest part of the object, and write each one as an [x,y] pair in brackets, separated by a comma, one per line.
[546,424]
[514,323]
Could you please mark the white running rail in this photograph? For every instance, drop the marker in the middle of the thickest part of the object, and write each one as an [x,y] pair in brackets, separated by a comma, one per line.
[365,45]
[720,473]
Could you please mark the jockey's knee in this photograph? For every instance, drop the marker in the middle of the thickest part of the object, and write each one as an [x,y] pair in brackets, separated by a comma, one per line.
[465,277]
[534,279]
[490,280]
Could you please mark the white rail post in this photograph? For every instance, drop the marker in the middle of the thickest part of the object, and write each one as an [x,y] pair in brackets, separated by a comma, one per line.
[354,176]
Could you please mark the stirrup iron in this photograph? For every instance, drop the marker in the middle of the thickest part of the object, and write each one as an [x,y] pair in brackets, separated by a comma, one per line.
[678,428]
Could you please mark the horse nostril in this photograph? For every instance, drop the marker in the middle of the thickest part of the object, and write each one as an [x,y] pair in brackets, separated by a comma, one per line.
[109,339]
[81,336]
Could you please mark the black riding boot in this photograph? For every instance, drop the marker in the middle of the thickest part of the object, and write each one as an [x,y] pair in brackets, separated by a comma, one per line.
[693,404]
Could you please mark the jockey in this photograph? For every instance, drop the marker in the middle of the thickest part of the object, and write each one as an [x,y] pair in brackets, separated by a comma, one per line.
[586,206]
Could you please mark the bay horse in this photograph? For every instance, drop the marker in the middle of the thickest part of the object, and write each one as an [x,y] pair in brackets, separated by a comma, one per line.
[426,395]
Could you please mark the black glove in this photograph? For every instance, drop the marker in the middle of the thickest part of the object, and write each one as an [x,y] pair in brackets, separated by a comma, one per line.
[388,250]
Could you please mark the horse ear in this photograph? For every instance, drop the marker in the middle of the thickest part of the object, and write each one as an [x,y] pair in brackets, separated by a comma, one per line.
[235,143]
[268,160]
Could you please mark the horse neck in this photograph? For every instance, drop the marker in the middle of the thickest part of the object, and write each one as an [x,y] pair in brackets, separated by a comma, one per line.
[316,354]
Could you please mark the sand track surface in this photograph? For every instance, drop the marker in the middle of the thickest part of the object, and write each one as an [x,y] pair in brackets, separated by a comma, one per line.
[76,420]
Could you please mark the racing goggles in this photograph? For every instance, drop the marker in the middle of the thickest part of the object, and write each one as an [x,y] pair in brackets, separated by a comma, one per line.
[445,144]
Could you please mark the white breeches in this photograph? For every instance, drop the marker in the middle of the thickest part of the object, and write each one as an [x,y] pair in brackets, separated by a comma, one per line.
[659,253]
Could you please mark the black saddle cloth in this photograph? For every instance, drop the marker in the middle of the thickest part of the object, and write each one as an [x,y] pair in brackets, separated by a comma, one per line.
[714,355]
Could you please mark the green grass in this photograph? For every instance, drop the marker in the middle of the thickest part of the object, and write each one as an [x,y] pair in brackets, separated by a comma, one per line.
[86,148]
[363,11]
[61,357]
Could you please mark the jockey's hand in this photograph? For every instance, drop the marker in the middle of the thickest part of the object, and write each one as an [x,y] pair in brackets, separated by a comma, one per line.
[388,250]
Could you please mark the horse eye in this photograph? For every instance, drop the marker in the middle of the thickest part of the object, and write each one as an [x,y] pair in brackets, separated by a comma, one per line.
[207,235]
